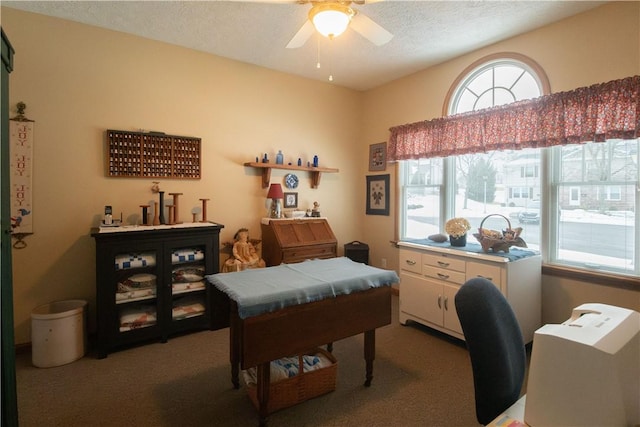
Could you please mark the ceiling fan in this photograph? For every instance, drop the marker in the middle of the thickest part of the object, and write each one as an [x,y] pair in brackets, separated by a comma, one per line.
[332,17]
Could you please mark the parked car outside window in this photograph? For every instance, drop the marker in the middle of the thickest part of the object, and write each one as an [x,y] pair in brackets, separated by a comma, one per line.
[531,214]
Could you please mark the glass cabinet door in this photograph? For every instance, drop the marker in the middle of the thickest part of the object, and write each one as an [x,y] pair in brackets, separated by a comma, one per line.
[190,263]
[136,291]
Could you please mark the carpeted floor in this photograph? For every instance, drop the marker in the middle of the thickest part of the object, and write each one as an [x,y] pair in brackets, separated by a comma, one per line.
[421,378]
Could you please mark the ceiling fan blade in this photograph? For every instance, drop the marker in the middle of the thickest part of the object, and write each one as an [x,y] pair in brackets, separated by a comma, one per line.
[370,30]
[301,37]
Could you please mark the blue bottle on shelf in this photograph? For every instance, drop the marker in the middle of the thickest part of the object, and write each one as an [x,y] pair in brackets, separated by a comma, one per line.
[315,161]
[279,158]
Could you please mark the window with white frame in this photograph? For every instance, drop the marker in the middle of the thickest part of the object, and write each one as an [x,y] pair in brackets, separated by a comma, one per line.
[594,192]
[422,195]
[577,204]
[613,193]
[529,171]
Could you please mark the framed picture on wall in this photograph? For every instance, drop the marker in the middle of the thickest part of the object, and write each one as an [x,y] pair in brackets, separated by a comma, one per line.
[378,157]
[378,195]
[290,200]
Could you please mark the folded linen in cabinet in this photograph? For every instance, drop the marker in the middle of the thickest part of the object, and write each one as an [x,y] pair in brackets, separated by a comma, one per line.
[190,286]
[140,293]
[137,281]
[187,255]
[135,260]
[188,274]
[137,317]
[187,307]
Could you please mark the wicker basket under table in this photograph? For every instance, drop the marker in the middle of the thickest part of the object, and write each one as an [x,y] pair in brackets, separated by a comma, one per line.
[302,387]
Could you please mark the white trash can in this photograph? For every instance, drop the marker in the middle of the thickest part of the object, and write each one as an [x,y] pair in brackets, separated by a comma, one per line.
[58,334]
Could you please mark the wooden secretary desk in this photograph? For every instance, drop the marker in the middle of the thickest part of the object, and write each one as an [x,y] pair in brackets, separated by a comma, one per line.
[294,240]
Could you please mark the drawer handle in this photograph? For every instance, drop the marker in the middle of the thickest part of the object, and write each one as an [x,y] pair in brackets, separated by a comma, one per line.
[410,262]
[439,301]
[443,264]
[488,278]
[443,276]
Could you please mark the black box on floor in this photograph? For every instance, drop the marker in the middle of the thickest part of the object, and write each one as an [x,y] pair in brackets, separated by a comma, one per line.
[357,251]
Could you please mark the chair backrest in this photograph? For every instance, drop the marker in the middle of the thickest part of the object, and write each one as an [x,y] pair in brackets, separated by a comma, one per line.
[495,344]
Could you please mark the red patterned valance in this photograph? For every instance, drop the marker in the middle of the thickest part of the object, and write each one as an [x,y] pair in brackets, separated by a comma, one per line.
[596,113]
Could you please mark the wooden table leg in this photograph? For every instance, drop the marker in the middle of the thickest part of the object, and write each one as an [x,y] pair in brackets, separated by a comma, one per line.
[262,390]
[234,345]
[369,354]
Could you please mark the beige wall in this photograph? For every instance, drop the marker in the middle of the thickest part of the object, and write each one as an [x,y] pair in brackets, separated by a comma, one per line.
[78,81]
[597,46]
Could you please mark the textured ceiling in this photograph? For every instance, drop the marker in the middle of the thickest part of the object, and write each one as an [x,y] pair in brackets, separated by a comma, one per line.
[425,32]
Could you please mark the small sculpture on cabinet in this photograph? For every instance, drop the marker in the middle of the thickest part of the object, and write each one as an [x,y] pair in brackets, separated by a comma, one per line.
[243,253]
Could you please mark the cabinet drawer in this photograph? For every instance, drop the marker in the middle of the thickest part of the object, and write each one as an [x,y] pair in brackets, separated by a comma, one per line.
[411,261]
[308,252]
[444,274]
[443,261]
[488,271]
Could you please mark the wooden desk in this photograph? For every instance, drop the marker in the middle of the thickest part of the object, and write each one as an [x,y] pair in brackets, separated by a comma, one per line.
[256,341]
[290,309]
[296,240]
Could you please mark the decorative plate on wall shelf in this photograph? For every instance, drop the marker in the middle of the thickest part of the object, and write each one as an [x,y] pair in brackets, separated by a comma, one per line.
[290,180]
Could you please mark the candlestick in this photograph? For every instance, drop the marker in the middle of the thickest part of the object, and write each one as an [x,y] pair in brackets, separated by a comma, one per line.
[162,219]
[172,210]
[145,214]
[204,209]
[175,207]
[156,218]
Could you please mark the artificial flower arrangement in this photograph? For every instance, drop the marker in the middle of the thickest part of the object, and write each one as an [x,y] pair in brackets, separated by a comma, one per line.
[457,227]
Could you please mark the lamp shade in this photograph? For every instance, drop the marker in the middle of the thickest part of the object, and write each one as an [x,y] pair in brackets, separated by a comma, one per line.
[275,192]
[331,19]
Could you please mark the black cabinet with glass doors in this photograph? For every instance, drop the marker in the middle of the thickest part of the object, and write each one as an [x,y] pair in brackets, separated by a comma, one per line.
[150,282]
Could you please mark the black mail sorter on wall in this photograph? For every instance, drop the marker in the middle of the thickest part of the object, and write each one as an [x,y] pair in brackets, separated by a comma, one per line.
[357,251]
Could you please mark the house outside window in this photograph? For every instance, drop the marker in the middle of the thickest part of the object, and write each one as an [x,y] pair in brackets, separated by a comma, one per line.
[594,189]
[577,204]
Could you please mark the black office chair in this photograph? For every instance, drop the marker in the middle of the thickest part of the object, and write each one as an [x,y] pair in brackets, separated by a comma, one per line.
[495,344]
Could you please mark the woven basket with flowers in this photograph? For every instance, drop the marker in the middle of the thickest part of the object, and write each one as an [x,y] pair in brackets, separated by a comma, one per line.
[492,240]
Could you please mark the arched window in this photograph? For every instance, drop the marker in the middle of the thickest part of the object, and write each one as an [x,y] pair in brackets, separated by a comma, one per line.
[496,80]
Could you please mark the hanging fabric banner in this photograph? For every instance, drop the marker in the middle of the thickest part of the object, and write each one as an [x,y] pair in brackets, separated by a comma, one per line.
[21,158]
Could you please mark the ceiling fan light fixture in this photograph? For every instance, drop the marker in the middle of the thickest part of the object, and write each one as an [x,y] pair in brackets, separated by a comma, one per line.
[331,19]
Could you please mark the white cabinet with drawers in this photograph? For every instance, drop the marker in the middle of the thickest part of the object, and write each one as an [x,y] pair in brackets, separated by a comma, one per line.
[430,276]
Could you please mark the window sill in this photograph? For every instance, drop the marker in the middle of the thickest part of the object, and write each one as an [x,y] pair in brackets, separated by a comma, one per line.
[610,279]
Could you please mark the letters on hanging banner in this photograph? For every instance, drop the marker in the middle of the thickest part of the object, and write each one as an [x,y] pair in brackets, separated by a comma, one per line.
[21,158]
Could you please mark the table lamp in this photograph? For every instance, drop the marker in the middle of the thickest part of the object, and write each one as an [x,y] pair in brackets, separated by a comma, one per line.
[275,194]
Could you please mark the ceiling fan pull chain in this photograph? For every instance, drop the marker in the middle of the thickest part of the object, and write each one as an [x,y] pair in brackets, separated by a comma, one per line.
[318,52]
[330,58]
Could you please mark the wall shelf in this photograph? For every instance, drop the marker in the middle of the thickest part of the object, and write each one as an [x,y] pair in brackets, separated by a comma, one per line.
[266,171]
